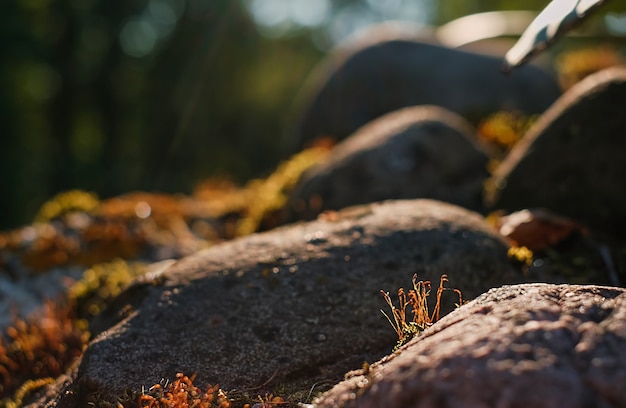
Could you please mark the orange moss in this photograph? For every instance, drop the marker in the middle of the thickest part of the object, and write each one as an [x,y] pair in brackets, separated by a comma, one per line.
[183,394]
[41,346]
[573,66]
[269,401]
[99,241]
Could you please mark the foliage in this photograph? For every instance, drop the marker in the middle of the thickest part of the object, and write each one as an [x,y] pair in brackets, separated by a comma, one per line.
[41,346]
[417,298]
[83,107]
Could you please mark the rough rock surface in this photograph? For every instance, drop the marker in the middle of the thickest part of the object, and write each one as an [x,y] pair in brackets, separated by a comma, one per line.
[572,160]
[366,79]
[416,152]
[291,306]
[532,345]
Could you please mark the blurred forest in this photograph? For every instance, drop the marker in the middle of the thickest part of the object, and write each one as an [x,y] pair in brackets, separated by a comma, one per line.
[156,95]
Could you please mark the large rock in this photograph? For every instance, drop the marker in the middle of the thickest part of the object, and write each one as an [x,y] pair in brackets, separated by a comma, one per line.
[533,345]
[365,79]
[417,152]
[287,307]
[572,160]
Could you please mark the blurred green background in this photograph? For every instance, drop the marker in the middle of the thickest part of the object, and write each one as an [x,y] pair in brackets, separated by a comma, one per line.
[156,95]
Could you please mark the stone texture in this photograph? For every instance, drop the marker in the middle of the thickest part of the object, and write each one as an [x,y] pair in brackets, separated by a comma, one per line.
[365,79]
[532,345]
[287,307]
[572,160]
[416,152]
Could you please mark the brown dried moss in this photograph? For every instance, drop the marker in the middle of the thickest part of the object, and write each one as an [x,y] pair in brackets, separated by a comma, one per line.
[41,346]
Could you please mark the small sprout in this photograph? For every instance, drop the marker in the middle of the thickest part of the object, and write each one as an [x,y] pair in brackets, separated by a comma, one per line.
[417,298]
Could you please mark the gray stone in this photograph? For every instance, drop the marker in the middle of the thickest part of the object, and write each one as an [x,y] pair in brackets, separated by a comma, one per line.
[288,307]
[572,160]
[365,79]
[416,152]
[532,345]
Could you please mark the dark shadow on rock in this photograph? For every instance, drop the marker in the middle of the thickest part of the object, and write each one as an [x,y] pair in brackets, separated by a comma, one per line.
[572,160]
[416,152]
[364,80]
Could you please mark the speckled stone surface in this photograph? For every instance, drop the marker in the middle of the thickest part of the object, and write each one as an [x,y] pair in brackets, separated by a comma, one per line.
[289,307]
[530,345]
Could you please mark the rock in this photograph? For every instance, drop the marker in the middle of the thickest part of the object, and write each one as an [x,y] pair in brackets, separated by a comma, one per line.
[417,152]
[536,345]
[571,161]
[365,79]
[287,307]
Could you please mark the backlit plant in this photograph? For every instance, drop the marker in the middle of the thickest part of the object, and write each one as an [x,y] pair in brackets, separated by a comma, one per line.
[417,299]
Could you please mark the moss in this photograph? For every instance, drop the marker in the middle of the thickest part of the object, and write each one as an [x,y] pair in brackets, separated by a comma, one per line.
[183,393]
[417,298]
[25,390]
[269,196]
[503,130]
[101,283]
[69,201]
[41,346]
[521,254]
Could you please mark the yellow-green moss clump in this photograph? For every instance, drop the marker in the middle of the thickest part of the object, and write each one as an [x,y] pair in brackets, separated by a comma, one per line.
[66,202]
[25,390]
[101,283]
[521,254]
[269,196]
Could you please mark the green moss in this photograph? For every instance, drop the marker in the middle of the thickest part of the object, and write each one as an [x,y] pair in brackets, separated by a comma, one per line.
[101,283]
[25,390]
[269,196]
